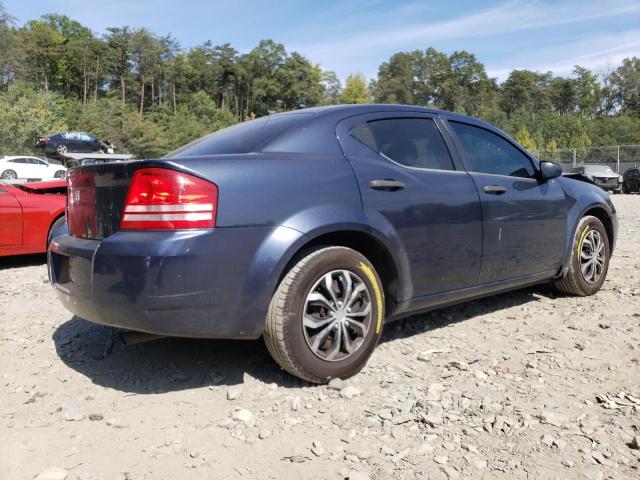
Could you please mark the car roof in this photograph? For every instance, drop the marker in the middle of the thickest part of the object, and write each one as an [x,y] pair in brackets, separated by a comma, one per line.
[11,157]
[335,113]
[355,109]
[340,112]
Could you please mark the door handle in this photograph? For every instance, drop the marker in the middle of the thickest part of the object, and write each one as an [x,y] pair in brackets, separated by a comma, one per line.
[494,189]
[387,185]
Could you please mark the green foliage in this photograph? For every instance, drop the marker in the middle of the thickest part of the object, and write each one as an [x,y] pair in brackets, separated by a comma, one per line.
[27,115]
[148,96]
[355,90]
[626,85]
[524,138]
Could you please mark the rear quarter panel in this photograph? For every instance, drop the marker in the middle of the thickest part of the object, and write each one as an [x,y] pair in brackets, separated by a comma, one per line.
[302,195]
[299,191]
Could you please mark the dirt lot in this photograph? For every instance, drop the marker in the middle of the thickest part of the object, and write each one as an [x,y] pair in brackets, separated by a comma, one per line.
[524,385]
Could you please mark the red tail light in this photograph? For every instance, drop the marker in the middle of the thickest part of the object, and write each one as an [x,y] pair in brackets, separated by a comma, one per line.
[163,199]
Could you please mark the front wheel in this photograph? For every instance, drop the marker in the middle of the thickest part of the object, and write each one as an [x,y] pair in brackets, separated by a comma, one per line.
[325,318]
[59,174]
[589,260]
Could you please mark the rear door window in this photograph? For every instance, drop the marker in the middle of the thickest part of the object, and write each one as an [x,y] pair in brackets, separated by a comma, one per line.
[487,152]
[412,142]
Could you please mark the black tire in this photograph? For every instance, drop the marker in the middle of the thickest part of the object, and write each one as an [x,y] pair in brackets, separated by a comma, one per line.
[625,189]
[61,150]
[9,175]
[574,282]
[284,333]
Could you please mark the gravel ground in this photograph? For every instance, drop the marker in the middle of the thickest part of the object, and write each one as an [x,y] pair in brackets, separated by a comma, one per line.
[529,384]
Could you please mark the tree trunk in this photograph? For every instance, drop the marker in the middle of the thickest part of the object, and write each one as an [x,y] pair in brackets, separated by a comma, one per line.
[173,91]
[153,90]
[141,94]
[122,91]
[85,84]
[95,87]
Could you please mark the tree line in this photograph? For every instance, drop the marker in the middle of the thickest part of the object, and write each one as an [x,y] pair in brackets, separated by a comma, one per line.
[148,95]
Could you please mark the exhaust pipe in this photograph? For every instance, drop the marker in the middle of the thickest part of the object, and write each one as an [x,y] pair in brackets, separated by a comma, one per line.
[133,338]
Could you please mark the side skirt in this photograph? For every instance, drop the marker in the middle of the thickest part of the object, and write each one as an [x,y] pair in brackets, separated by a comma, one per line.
[446,299]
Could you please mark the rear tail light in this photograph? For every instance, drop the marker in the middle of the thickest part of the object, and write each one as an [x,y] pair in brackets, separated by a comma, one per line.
[163,199]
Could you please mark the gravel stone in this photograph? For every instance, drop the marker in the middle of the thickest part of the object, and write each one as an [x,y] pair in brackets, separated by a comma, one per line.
[349,392]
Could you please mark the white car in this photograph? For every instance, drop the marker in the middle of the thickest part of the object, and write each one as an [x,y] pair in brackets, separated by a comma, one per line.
[29,168]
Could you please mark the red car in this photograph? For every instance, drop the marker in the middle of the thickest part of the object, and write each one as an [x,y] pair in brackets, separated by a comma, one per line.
[28,212]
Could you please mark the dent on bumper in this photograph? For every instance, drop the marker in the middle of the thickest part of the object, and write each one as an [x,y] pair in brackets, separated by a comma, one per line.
[214,283]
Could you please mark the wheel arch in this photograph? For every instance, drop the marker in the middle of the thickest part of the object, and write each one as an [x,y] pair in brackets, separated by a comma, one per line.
[52,228]
[363,242]
[602,213]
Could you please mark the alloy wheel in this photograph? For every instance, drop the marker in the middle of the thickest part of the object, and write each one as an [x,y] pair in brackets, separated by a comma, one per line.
[337,315]
[592,257]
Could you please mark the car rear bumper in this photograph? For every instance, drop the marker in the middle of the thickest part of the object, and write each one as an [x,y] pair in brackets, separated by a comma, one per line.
[215,283]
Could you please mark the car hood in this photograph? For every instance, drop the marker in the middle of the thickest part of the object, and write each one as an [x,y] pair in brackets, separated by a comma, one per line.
[48,186]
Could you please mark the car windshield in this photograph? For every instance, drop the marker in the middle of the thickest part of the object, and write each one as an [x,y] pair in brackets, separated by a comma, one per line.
[244,137]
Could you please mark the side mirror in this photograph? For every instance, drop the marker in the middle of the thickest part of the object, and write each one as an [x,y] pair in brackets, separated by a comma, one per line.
[549,170]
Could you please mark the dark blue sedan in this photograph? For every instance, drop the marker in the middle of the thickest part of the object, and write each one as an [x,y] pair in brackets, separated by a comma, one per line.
[312,228]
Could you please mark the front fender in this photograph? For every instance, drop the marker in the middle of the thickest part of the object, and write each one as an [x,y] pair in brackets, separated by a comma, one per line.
[582,197]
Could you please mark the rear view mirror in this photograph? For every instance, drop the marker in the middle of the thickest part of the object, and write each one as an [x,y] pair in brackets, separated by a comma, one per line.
[549,170]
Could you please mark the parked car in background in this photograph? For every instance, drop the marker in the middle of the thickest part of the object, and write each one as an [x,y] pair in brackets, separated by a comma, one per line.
[311,228]
[61,143]
[631,180]
[28,213]
[23,167]
[601,175]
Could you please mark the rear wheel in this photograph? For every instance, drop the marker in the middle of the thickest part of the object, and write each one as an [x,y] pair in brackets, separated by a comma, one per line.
[62,149]
[589,261]
[625,189]
[325,318]
[9,175]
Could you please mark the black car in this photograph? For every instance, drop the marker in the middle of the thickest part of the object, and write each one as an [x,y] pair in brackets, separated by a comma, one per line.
[602,175]
[62,143]
[631,180]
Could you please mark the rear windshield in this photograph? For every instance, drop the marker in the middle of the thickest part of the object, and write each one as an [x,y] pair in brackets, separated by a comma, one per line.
[244,137]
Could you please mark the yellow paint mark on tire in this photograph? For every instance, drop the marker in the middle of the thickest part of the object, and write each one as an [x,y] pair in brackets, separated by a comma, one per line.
[582,235]
[377,292]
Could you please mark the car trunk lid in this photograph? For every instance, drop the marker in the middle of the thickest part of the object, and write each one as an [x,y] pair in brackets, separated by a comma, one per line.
[96,198]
